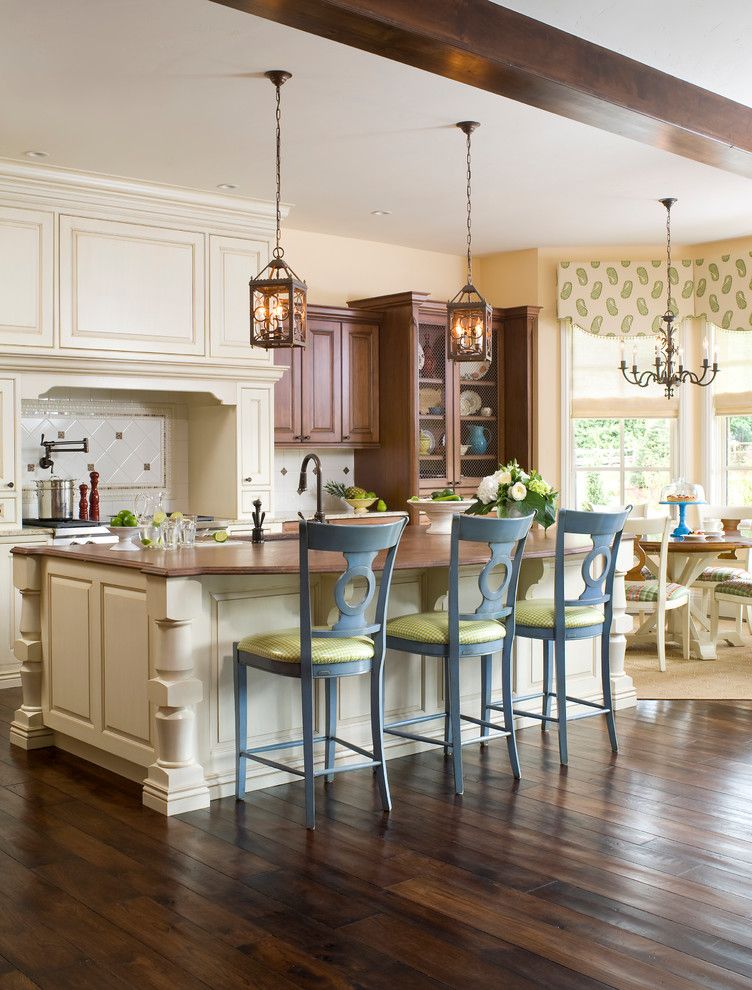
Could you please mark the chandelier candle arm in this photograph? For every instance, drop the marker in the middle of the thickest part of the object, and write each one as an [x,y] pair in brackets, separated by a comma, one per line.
[469,316]
[669,358]
[278,296]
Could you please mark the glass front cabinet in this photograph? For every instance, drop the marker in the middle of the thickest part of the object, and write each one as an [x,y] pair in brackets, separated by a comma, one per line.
[447,424]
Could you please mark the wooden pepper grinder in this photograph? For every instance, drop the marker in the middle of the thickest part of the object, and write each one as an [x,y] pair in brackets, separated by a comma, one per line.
[83,502]
[94,496]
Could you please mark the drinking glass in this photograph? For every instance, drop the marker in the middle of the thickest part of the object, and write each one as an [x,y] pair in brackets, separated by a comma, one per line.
[171,531]
[153,534]
[188,531]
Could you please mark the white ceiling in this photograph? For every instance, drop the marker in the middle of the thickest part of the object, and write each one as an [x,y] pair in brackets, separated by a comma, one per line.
[170,91]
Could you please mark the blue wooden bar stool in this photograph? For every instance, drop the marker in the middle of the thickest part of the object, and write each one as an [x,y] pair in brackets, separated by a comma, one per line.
[557,621]
[353,645]
[453,636]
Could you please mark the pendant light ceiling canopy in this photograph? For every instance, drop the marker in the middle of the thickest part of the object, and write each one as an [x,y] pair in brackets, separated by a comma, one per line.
[469,316]
[278,296]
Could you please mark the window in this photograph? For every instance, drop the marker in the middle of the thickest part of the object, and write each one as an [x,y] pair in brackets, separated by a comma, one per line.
[622,440]
[620,461]
[732,402]
[736,453]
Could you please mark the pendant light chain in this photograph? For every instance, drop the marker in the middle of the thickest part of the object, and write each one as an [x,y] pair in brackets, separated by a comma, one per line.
[278,251]
[668,259]
[469,212]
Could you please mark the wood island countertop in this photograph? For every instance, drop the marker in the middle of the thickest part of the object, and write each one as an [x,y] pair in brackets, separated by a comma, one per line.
[418,549]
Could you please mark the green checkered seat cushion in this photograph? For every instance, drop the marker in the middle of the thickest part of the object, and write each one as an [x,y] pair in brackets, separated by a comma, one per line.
[740,589]
[540,613]
[647,591]
[285,647]
[714,575]
[433,628]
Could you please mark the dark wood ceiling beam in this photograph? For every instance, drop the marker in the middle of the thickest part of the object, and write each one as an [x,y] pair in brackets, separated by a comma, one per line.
[484,45]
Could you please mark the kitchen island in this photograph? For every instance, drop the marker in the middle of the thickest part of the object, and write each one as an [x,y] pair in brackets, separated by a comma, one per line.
[127,657]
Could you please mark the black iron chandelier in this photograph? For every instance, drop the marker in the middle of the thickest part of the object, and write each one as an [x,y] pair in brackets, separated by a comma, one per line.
[278,296]
[669,369]
[469,316]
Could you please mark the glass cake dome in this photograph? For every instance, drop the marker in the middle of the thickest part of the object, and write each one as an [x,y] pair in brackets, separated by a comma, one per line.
[682,491]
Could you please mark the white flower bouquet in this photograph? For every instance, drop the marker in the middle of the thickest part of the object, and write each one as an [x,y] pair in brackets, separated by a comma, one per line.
[513,491]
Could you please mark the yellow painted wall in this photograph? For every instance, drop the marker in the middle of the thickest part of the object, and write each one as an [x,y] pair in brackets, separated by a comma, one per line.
[341,268]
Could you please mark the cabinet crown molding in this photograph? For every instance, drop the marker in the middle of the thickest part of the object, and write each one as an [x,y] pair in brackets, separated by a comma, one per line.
[54,187]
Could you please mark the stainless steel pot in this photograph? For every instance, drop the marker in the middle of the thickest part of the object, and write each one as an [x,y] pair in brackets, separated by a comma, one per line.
[56,497]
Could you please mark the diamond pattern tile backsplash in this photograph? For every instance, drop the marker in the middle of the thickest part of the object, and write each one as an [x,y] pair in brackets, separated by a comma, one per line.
[135,447]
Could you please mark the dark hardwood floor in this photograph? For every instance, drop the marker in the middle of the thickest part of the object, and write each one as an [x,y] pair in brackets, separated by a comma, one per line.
[627,872]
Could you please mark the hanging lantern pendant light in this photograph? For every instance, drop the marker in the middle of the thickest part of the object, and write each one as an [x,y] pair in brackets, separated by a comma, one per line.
[669,369]
[278,296]
[469,316]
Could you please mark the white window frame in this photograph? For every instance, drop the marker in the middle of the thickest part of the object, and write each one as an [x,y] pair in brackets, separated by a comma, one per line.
[679,432]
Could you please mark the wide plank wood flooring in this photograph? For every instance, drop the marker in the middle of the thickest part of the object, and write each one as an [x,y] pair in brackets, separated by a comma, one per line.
[633,872]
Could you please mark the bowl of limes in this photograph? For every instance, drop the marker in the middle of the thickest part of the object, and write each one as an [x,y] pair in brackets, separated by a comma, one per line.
[125,526]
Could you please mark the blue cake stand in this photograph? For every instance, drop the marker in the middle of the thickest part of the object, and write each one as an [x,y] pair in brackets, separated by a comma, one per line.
[681,528]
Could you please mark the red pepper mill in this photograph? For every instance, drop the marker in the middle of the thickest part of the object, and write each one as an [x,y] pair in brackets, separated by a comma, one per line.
[83,502]
[94,496]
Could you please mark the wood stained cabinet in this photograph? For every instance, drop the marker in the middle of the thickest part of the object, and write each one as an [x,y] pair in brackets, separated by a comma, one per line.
[330,394]
[443,423]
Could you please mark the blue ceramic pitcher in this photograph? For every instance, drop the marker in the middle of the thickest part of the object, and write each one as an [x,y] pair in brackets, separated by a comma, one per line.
[479,438]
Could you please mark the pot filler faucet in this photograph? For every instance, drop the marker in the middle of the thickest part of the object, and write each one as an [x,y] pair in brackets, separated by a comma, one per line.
[61,445]
[303,484]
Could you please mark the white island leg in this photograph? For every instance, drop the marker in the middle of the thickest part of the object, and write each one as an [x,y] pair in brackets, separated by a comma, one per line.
[622,686]
[28,729]
[175,783]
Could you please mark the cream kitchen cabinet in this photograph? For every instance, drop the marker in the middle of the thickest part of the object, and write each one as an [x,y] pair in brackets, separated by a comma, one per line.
[26,277]
[233,262]
[255,446]
[9,488]
[131,288]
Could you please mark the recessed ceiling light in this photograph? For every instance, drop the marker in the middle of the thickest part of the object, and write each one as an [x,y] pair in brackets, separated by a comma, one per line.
[226,185]
[37,154]
[381,213]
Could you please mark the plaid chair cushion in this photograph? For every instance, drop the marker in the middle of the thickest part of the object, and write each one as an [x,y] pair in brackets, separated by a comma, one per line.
[433,627]
[647,591]
[285,647]
[714,575]
[539,613]
[739,589]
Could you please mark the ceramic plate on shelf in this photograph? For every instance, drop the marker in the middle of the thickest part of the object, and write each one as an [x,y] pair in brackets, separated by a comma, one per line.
[421,357]
[429,397]
[470,402]
[473,371]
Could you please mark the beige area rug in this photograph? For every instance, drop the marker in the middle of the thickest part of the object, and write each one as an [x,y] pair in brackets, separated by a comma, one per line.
[727,678]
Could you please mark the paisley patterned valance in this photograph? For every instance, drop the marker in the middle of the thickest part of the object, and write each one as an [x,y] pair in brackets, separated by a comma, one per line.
[723,290]
[623,298]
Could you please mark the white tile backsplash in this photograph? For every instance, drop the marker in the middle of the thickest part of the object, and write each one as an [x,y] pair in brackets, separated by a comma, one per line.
[337,465]
[135,446]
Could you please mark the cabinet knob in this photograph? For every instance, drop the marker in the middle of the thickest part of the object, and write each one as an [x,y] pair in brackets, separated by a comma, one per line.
[346,436]
[297,436]
[247,479]
[307,436]
[10,485]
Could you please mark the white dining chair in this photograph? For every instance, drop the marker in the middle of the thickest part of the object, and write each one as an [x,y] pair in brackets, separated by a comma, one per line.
[653,597]
[722,572]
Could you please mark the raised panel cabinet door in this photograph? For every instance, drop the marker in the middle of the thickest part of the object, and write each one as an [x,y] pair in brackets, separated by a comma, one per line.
[26,277]
[256,439]
[360,384]
[131,288]
[233,262]
[322,383]
[288,401]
